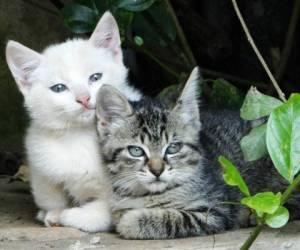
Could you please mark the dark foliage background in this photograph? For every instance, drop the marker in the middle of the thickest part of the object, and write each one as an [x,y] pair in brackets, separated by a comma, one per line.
[158,58]
[162,41]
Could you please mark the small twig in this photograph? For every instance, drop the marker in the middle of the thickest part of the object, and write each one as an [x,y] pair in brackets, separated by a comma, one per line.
[288,41]
[258,54]
[181,35]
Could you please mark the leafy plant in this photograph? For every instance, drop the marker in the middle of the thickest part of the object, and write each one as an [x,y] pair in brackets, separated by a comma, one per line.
[279,138]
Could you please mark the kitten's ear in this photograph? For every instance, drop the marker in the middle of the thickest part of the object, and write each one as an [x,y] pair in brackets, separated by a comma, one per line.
[187,104]
[21,61]
[111,105]
[106,35]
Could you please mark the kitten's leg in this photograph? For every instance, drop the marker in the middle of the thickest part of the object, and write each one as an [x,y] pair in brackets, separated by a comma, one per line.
[158,223]
[49,197]
[92,217]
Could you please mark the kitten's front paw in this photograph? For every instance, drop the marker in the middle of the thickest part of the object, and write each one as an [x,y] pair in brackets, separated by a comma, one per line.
[128,226]
[138,224]
[49,218]
[87,219]
[41,215]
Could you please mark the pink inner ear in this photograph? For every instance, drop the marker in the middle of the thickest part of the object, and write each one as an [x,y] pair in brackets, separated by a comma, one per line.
[109,43]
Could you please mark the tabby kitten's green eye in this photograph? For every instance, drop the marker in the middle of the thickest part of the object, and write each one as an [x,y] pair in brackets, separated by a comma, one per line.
[136,151]
[173,148]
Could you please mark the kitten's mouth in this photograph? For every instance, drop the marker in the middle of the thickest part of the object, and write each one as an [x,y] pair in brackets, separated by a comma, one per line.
[157,180]
[157,186]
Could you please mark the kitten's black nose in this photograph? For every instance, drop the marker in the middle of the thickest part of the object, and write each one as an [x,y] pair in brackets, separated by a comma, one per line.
[156,166]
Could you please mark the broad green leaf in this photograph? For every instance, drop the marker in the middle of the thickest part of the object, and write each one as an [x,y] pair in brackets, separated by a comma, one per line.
[80,19]
[136,5]
[266,202]
[283,137]
[278,219]
[254,144]
[155,25]
[232,176]
[224,94]
[257,105]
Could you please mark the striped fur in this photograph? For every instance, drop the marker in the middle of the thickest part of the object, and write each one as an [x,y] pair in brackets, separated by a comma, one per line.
[189,196]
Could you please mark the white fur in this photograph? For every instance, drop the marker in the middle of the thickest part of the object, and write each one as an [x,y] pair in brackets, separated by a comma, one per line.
[61,142]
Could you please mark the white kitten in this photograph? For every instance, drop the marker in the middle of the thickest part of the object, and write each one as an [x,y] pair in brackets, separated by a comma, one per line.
[59,88]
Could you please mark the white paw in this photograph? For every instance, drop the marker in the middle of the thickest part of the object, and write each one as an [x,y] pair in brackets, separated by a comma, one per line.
[88,218]
[41,215]
[52,218]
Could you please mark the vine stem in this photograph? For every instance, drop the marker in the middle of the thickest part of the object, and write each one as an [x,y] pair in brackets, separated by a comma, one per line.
[286,194]
[181,35]
[252,237]
[258,54]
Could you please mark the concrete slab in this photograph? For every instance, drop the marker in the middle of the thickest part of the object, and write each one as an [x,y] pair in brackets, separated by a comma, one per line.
[19,230]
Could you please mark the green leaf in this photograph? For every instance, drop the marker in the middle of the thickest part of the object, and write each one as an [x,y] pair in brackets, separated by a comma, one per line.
[79,19]
[224,94]
[151,23]
[232,176]
[278,219]
[257,105]
[266,202]
[138,41]
[254,144]
[283,137]
[136,5]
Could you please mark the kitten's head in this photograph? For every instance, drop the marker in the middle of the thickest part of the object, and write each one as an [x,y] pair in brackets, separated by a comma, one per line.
[146,146]
[60,84]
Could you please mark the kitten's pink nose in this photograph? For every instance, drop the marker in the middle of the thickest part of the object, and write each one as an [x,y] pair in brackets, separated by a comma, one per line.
[83,100]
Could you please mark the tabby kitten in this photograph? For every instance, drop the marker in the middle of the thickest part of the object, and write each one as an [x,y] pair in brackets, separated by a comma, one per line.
[163,166]
[162,186]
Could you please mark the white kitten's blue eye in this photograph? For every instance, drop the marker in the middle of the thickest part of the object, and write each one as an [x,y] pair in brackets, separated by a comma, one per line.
[136,151]
[174,148]
[95,77]
[58,88]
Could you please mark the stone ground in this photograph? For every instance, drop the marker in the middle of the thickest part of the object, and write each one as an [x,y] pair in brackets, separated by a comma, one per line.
[19,230]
